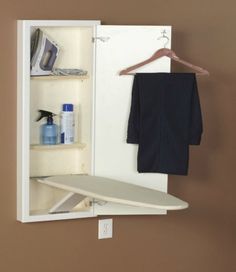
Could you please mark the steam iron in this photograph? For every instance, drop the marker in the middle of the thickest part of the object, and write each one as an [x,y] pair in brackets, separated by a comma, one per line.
[44,53]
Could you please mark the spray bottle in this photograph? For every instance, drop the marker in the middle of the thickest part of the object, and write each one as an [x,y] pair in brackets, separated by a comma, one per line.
[49,130]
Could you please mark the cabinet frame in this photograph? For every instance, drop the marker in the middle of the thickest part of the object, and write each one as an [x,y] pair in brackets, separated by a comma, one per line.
[23,129]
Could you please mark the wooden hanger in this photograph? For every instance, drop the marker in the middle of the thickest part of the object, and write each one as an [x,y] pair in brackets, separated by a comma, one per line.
[161,53]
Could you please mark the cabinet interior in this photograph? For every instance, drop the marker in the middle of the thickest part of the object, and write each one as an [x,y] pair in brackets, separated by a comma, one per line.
[49,93]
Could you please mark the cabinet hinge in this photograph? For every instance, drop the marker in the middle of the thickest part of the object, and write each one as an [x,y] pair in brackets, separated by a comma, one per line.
[102,39]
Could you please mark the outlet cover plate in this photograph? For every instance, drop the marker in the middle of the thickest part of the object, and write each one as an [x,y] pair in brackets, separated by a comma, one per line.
[105,228]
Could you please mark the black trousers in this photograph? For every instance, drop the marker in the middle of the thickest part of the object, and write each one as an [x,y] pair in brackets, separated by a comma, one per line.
[165,118]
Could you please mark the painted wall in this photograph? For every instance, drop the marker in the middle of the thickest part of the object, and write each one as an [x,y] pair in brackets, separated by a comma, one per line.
[201,238]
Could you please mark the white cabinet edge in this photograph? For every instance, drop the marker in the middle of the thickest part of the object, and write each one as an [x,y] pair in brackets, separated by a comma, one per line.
[62,23]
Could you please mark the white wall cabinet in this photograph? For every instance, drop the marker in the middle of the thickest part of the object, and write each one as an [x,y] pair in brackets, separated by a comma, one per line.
[60,181]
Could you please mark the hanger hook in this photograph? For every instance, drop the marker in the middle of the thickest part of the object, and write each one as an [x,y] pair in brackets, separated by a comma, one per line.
[163,32]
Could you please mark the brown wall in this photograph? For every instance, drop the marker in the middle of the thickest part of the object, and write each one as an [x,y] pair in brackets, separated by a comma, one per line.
[200,239]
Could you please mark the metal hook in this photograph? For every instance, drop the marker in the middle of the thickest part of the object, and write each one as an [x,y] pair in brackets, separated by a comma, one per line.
[164,36]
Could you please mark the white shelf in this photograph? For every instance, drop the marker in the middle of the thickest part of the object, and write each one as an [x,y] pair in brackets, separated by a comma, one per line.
[52,77]
[42,215]
[38,147]
[47,211]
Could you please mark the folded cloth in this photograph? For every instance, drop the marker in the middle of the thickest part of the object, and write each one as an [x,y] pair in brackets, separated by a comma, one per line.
[165,118]
[69,72]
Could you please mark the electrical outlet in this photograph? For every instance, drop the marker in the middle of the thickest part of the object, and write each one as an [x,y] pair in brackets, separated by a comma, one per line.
[105,228]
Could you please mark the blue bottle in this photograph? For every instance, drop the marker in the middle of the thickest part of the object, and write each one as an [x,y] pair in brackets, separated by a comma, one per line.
[48,131]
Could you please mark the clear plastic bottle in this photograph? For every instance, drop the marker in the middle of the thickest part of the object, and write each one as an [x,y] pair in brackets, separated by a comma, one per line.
[67,124]
[48,131]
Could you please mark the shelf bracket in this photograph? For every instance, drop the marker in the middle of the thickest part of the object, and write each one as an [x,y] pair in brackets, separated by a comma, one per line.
[67,203]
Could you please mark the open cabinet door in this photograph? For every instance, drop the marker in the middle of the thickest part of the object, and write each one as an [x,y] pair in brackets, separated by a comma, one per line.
[118,47]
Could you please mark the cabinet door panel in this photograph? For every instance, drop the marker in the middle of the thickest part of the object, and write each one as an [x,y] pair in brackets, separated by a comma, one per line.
[113,157]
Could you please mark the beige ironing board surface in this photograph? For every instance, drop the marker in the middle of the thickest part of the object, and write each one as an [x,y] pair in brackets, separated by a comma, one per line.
[115,191]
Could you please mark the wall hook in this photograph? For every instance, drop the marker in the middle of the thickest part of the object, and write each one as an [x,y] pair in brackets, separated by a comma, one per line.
[163,32]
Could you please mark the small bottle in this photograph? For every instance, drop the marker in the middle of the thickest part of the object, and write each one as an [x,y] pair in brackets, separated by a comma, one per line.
[48,131]
[67,124]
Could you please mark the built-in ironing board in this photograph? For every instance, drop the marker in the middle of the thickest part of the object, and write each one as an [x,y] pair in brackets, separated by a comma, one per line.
[110,190]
